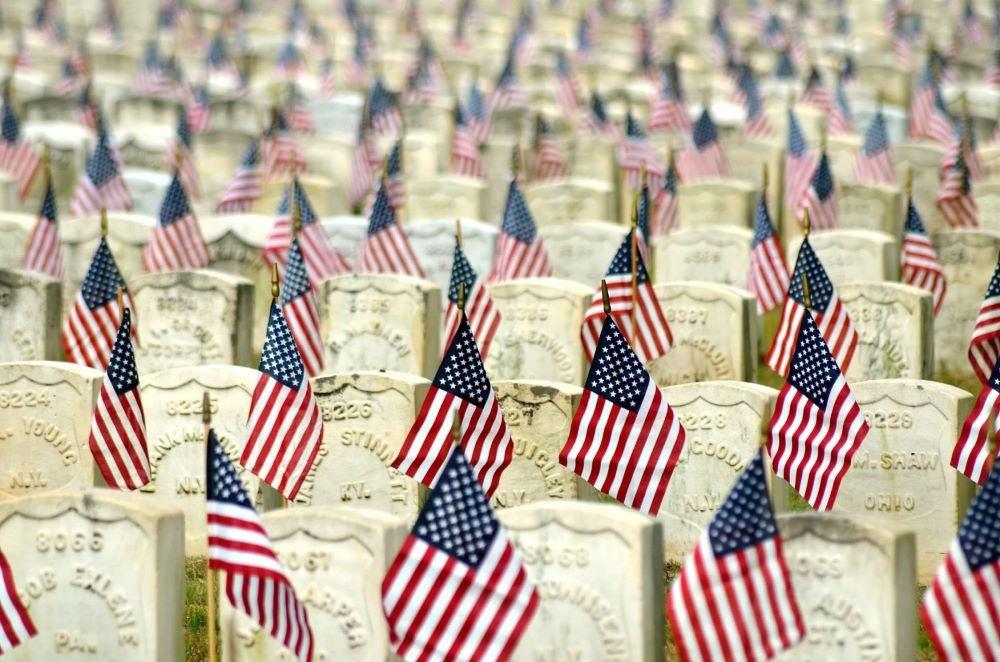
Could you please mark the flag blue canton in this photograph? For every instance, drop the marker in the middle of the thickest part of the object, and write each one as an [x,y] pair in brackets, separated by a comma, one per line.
[151,58]
[840,98]
[461,272]
[704,131]
[49,204]
[279,125]
[796,141]
[10,130]
[820,287]
[914,224]
[217,53]
[962,167]
[101,168]
[813,369]
[671,82]
[993,289]
[223,484]
[252,156]
[460,121]
[121,364]
[979,535]
[394,164]
[544,131]
[849,69]
[746,518]
[296,277]
[279,358]
[642,213]
[183,130]
[457,519]
[621,264]
[380,100]
[814,80]
[822,181]
[288,55]
[100,285]
[517,220]
[876,139]
[960,130]
[507,75]
[562,65]
[785,68]
[632,128]
[175,203]
[616,374]
[773,27]
[475,105]
[306,213]
[762,227]
[670,182]
[597,108]
[461,372]
[383,216]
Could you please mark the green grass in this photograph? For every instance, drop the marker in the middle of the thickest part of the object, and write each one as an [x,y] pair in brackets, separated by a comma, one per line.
[195,611]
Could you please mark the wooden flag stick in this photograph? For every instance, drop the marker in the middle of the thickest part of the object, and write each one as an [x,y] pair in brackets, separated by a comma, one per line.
[806,223]
[461,297]
[635,266]
[275,290]
[458,232]
[909,183]
[206,419]
[605,298]
[764,177]
[121,304]
[104,222]
[46,167]
[296,211]
[806,298]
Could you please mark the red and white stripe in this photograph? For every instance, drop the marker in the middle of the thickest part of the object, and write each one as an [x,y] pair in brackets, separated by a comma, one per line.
[176,246]
[651,338]
[921,267]
[89,199]
[280,152]
[300,120]
[365,172]
[188,168]
[740,606]
[875,169]
[798,177]
[302,317]
[984,347]
[822,213]
[694,164]
[482,314]
[43,251]
[389,251]
[758,127]
[16,625]
[465,158]
[971,456]
[244,189]
[629,455]
[811,447]
[664,219]
[634,156]
[321,258]
[88,335]
[550,162]
[485,439]
[118,439]
[767,278]
[21,163]
[517,259]
[958,209]
[668,115]
[834,325]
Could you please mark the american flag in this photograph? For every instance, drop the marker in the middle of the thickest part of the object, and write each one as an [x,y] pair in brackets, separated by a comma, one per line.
[102,186]
[300,120]
[425,81]
[246,186]
[508,92]
[757,124]
[841,118]
[199,115]
[483,316]
[971,31]
[959,609]
[820,199]
[476,115]
[256,582]
[92,323]
[848,70]
[180,157]
[152,77]
[459,40]
[550,162]
[460,388]
[955,200]
[585,33]
[383,110]
[874,162]
[43,251]
[767,278]
[785,69]
[965,140]
[703,157]
[625,439]
[817,426]
[88,114]
[289,63]
[357,65]
[799,164]
[520,251]
[971,456]
[70,83]
[815,93]
[597,122]
[118,431]
[734,598]
[984,347]
[635,153]
[284,427]
[280,149]
[567,90]
[17,157]
[298,304]
[218,62]
[831,315]
[465,158]
[664,218]
[366,165]
[387,249]
[650,335]
[175,244]
[327,79]
[668,112]
[482,600]
[395,184]
[920,262]
[322,259]
[17,624]
[929,117]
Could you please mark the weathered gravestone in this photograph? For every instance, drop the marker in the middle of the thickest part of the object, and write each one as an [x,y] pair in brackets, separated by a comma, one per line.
[147,187]
[923,158]
[46,408]
[444,196]
[539,334]
[968,258]
[852,254]
[366,417]
[101,573]
[30,316]
[988,205]
[570,200]
[715,254]
[726,425]
[747,158]
[538,415]
[380,322]
[346,234]
[874,207]
[235,246]
[175,436]
[714,328]
[901,477]
[193,318]
[585,610]
[433,242]
[336,559]
[895,325]
[582,251]
[594,157]
[856,588]
[15,230]
[729,201]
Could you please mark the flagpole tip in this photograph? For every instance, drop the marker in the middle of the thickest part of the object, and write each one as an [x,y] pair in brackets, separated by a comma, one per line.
[765,174]
[206,409]
[909,183]
[806,223]
[104,222]
[458,232]
[120,297]
[606,300]
[275,290]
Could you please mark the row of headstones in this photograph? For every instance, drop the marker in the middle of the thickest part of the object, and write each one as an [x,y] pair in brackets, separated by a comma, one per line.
[102,574]
[900,475]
